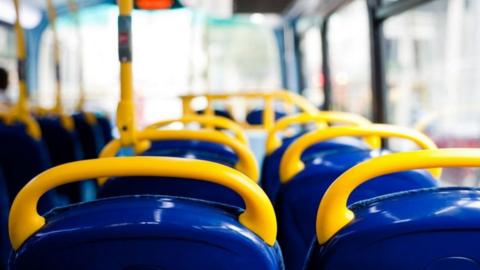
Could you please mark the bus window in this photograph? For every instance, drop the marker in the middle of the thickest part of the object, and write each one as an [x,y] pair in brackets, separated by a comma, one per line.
[311,53]
[8,59]
[349,46]
[433,73]
[161,60]
[243,54]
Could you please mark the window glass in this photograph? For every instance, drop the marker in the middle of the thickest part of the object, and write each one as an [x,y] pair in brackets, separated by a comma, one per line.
[8,58]
[311,59]
[170,59]
[243,54]
[349,45]
[433,74]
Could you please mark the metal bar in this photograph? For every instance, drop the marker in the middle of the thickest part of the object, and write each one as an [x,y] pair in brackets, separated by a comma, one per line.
[378,67]
[385,11]
[327,83]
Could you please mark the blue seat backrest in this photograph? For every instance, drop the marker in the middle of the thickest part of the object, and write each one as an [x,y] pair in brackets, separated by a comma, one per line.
[218,112]
[297,201]
[63,146]
[22,158]
[145,233]
[432,229]
[91,136]
[270,181]
[255,116]
[187,188]
[106,127]
[5,247]
[168,186]
[194,149]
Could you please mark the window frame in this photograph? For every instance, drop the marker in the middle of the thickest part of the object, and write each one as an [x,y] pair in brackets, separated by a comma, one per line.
[378,12]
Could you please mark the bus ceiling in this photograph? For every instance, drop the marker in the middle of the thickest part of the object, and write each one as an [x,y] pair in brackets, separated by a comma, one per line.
[32,10]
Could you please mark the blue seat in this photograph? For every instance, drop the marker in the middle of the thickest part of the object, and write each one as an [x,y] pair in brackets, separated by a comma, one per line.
[255,116]
[106,127]
[22,157]
[159,233]
[63,146]
[218,112]
[91,136]
[190,189]
[297,200]
[432,229]
[5,248]
[270,180]
[195,149]
[146,232]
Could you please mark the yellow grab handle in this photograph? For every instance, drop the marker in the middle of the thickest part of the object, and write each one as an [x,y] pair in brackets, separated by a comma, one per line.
[273,142]
[270,98]
[258,216]
[246,159]
[292,164]
[333,213]
[215,121]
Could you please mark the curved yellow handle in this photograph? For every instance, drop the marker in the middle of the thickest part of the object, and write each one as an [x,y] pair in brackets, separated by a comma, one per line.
[246,159]
[269,98]
[31,125]
[215,121]
[333,213]
[258,216]
[292,164]
[273,142]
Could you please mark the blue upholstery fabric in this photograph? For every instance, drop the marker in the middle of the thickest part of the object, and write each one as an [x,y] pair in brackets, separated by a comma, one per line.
[270,181]
[5,247]
[186,188]
[63,146]
[168,186]
[255,116]
[22,158]
[194,149]
[91,136]
[106,127]
[298,200]
[433,229]
[218,112]
[145,233]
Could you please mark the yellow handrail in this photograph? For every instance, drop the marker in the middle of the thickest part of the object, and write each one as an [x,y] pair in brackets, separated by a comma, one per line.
[258,216]
[291,163]
[321,118]
[333,213]
[19,112]
[246,159]
[269,98]
[215,121]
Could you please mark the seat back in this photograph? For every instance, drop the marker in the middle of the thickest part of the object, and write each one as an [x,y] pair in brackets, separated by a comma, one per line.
[434,229]
[297,201]
[200,150]
[90,134]
[301,191]
[106,127]
[270,180]
[22,157]
[255,116]
[5,247]
[63,146]
[148,232]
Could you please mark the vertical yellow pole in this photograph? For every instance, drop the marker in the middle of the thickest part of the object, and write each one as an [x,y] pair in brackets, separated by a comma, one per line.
[126,106]
[21,108]
[52,16]
[268,113]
